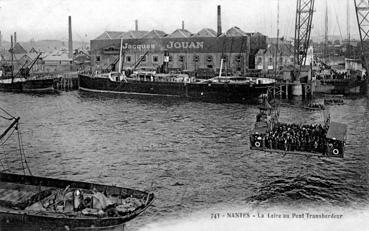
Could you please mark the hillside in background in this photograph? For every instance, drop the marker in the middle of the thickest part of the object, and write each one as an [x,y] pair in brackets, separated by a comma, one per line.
[47,45]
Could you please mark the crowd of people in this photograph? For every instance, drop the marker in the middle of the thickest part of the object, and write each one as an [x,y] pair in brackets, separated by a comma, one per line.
[295,137]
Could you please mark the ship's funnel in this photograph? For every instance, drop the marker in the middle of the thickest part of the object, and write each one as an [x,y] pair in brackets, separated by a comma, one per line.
[219,22]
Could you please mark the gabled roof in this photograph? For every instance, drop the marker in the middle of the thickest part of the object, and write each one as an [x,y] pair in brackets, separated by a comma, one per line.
[206,32]
[155,34]
[18,49]
[17,57]
[110,35]
[33,50]
[180,33]
[134,34]
[57,57]
[235,31]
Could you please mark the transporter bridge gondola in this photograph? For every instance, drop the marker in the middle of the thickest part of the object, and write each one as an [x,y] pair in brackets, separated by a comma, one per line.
[321,140]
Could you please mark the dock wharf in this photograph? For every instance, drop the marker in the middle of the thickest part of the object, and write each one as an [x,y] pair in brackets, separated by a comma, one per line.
[286,90]
[66,81]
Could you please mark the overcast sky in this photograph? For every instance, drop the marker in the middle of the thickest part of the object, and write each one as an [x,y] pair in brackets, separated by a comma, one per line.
[48,19]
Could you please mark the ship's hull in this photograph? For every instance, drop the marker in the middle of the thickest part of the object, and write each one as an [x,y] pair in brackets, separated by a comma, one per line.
[11,87]
[32,85]
[219,92]
[17,190]
[340,86]
[38,85]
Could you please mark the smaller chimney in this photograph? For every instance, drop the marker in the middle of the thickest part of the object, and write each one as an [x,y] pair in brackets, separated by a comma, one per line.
[15,38]
[11,42]
[219,24]
[1,39]
[70,40]
[182,25]
[136,25]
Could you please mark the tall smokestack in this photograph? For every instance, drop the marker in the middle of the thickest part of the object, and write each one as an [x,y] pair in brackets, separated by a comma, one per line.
[219,23]
[182,25]
[11,42]
[1,39]
[15,38]
[136,25]
[70,41]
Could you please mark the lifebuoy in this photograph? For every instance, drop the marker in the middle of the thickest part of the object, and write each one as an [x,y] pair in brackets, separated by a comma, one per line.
[335,152]
[257,144]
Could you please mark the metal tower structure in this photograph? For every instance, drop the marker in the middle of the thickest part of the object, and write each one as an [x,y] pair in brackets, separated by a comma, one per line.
[362,15]
[304,18]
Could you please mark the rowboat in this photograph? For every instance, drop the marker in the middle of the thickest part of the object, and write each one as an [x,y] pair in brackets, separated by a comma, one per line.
[56,204]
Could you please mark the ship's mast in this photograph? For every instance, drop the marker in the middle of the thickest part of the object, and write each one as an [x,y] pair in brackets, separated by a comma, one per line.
[120,56]
[348,28]
[277,43]
[11,54]
[325,52]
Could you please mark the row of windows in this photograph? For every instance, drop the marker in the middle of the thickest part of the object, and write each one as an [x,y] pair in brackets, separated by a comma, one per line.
[271,60]
[181,58]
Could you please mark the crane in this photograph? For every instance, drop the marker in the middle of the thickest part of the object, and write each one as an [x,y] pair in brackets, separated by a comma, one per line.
[362,16]
[304,18]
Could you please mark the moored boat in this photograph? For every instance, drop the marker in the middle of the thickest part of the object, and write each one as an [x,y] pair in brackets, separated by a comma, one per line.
[22,81]
[177,85]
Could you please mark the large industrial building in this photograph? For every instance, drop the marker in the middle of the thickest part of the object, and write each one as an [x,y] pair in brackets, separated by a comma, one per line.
[187,51]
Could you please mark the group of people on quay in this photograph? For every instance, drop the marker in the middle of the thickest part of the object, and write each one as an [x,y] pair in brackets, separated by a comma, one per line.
[295,137]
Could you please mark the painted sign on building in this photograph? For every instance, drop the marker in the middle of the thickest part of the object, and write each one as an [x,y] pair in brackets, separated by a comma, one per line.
[174,45]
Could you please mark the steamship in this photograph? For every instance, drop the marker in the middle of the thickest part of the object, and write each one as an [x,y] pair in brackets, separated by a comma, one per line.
[22,80]
[218,89]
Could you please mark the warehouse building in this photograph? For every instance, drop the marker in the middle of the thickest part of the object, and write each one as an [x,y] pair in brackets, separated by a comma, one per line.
[187,51]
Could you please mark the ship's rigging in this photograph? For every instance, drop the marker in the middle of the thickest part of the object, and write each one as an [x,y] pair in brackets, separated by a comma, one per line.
[5,136]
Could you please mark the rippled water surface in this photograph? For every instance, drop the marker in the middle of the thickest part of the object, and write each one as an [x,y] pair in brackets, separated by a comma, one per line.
[193,156]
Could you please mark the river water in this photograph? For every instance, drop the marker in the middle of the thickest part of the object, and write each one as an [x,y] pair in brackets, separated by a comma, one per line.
[193,156]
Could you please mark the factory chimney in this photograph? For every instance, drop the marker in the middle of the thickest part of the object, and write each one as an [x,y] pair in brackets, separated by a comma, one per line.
[15,38]
[136,25]
[11,43]
[219,20]
[182,25]
[1,39]
[70,41]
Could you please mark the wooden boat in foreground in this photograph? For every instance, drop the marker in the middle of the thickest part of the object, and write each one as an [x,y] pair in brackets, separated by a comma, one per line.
[18,193]
[55,204]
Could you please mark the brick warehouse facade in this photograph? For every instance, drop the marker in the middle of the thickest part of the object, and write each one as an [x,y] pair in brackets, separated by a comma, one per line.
[186,53]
